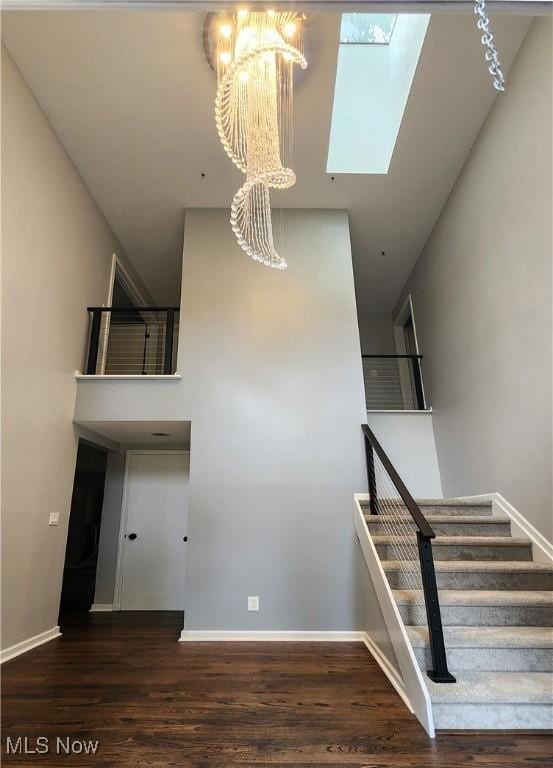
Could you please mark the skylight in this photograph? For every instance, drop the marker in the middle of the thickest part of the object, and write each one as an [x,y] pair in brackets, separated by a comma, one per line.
[367,28]
[377,59]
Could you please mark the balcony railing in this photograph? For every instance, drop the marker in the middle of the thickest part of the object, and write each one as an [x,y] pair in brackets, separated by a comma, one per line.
[132,341]
[393,383]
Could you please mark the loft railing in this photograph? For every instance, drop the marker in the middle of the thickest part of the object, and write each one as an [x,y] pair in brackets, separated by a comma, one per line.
[408,545]
[132,341]
[393,382]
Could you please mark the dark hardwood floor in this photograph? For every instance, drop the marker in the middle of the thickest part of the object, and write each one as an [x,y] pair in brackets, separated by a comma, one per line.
[122,678]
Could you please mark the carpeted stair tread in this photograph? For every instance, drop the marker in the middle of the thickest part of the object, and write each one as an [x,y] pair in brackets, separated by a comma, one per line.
[522,688]
[458,566]
[486,637]
[457,520]
[456,541]
[478,597]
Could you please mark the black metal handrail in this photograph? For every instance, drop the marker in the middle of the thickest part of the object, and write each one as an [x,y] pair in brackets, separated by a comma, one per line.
[439,672]
[96,324]
[415,364]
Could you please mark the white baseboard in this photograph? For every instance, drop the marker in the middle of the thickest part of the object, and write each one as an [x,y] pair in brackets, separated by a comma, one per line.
[256,636]
[391,672]
[26,645]
[101,607]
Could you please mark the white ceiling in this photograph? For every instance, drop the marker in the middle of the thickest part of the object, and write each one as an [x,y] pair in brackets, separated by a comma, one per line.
[176,433]
[130,94]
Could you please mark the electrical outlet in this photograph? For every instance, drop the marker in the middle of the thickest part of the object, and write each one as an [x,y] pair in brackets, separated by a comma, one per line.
[54,518]
[253,603]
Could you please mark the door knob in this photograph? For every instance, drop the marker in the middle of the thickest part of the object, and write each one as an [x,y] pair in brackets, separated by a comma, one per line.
[132,536]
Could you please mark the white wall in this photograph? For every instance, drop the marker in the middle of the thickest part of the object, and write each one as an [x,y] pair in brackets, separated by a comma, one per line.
[373,618]
[408,439]
[57,250]
[482,300]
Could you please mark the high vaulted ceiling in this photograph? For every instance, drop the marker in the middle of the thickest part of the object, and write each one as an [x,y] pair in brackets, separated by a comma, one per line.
[130,94]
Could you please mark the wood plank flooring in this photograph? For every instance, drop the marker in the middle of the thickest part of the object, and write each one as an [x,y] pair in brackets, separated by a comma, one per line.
[123,679]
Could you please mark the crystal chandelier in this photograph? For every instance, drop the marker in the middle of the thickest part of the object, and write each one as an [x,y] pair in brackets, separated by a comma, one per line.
[256,53]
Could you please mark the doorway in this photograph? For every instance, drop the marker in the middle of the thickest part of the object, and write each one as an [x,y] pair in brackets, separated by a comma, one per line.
[407,349]
[81,552]
[153,536]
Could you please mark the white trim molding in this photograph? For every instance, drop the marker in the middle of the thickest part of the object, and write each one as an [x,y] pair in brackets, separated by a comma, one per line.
[27,645]
[102,607]
[542,548]
[256,636]
[417,696]
[389,670]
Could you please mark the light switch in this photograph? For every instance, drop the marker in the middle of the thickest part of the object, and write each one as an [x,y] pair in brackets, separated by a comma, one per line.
[253,603]
[54,518]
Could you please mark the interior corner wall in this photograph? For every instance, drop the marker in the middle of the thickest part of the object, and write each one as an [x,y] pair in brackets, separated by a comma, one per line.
[57,252]
[377,333]
[482,300]
[272,383]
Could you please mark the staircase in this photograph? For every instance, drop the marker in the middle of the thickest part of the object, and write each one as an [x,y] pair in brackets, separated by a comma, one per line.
[497,612]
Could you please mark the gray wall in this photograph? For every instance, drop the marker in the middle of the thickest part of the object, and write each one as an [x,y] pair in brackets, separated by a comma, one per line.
[57,250]
[482,300]
[377,333]
[272,384]
[273,381]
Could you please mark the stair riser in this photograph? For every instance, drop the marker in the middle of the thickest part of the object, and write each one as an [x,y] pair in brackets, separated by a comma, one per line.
[491,659]
[496,717]
[451,511]
[510,580]
[463,552]
[452,529]
[468,510]
[482,616]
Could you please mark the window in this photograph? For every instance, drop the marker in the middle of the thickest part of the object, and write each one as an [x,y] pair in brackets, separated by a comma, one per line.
[377,60]
[367,28]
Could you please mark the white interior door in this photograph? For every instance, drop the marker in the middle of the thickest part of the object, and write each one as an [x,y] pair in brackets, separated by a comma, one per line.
[155,524]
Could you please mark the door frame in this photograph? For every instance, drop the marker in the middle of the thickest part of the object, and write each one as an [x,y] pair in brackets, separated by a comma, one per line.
[134,292]
[124,517]
[398,323]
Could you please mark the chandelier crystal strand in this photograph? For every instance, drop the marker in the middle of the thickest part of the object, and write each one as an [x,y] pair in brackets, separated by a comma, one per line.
[491,55]
[256,53]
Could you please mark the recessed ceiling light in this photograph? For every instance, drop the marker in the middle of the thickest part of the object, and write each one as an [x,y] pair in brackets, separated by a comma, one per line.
[160,434]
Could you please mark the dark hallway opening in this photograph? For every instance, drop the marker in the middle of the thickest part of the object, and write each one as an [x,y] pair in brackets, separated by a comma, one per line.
[81,553]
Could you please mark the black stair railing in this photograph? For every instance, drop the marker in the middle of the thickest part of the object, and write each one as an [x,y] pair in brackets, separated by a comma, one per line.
[379,505]
[132,340]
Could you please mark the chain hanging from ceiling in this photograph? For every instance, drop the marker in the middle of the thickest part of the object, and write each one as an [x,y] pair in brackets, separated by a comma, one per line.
[491,54]
[256,53]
